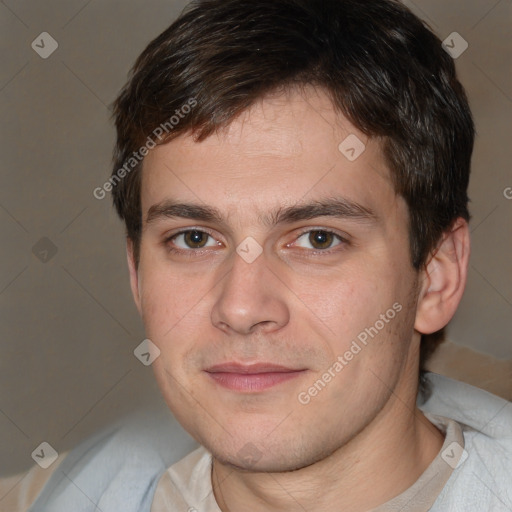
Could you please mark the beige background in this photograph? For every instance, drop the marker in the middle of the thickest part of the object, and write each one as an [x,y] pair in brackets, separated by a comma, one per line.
[69,327]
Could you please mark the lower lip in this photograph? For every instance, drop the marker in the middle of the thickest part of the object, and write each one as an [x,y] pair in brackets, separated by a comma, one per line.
[251,382]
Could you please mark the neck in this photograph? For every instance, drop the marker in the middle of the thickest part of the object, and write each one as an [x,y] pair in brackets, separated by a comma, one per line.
[391,452]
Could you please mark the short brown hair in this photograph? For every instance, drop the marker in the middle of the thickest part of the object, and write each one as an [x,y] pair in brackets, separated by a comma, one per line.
[382,67]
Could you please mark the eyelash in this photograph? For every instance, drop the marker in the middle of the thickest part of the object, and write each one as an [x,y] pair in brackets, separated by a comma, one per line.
[191,252]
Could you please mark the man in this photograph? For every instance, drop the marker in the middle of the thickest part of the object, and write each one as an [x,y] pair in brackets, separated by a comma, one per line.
[293,179]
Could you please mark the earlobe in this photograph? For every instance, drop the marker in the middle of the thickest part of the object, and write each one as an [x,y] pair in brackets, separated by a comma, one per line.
[444,279]
[134,276]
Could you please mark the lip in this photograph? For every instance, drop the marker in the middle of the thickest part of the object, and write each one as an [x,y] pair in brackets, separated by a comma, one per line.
[251,377]
[252,368]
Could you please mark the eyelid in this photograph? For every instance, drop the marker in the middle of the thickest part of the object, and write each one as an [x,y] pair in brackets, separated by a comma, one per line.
[170,237]
[343,239]
[186,230]
[343,236]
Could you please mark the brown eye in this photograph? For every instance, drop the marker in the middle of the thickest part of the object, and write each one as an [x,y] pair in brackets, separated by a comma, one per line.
[321,239]
[190,242]
[190,239]
[195,239]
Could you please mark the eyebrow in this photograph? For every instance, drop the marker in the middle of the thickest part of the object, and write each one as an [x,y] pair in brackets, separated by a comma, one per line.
[339,207]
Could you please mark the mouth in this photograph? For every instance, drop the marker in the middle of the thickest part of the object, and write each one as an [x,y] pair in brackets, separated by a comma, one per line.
[251,378]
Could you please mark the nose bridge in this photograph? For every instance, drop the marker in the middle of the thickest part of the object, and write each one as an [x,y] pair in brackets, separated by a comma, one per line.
[248,296]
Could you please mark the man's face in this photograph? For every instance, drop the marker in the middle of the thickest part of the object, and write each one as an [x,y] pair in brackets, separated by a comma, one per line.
[321,282]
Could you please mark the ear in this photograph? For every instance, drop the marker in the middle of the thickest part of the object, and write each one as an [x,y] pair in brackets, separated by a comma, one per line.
[444,279]
[134,276]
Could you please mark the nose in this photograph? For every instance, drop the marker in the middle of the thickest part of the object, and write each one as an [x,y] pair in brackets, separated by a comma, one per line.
[250,298]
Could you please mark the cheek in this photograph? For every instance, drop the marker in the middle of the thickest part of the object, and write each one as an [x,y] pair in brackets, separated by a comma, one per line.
[158,305]
[348,301]
[175,311]
[371,309]
[166,299]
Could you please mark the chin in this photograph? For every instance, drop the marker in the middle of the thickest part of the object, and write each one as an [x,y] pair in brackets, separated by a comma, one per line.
[281,456]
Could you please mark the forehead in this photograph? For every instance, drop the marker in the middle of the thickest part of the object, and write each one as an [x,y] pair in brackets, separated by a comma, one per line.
[286,148]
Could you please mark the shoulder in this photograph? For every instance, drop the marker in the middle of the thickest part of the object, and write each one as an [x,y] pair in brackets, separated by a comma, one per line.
[17,492]
[483,478]
[118,468]
[479,410]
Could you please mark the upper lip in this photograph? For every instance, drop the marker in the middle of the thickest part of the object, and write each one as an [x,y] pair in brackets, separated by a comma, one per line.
[251,368]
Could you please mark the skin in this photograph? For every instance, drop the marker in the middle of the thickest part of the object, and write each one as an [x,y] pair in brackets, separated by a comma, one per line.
[298,304]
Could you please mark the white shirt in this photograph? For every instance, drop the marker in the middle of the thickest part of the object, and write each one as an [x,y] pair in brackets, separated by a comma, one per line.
[471,473]
[141,465]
